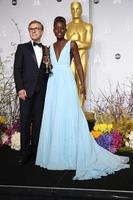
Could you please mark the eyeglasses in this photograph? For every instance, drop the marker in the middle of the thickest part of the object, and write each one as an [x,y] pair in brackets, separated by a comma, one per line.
[34,29]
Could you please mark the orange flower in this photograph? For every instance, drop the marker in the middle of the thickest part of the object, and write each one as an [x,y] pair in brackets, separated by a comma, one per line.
[96,134]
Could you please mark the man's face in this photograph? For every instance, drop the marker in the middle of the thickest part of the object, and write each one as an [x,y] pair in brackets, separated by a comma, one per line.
[35,31]
[76,10]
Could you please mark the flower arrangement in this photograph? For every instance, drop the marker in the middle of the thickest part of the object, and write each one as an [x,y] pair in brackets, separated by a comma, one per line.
[129,140]
[3,122]
[10,135]
[15,141]
[9,107]
[114,118]
[107,137]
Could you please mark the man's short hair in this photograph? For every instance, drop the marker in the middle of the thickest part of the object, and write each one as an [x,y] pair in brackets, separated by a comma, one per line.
[35,21]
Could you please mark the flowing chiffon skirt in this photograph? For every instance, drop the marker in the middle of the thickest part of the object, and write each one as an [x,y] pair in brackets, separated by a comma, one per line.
[65,141]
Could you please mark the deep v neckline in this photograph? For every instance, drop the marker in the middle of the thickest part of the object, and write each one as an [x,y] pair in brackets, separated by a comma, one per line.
[57,59]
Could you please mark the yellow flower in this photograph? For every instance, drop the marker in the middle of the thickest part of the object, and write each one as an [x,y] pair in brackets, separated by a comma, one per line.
[103,127]
[3,120]
[109,127]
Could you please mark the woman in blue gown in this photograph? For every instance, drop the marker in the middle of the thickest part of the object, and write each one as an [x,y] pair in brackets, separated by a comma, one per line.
[65,142]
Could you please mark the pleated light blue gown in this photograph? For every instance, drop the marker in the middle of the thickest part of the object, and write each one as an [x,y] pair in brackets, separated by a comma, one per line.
[65,142]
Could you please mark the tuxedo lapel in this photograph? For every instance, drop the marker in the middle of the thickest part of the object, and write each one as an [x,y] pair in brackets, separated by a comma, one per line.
[30,47]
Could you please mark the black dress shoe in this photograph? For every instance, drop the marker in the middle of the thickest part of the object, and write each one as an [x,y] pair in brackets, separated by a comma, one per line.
[23,161]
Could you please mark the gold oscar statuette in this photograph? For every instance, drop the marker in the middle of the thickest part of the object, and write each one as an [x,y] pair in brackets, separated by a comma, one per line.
[81,32]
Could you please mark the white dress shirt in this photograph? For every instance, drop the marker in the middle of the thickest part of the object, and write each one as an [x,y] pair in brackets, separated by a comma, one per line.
[38,53]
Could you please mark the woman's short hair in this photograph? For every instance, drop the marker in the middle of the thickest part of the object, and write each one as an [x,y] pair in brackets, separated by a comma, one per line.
[59,19]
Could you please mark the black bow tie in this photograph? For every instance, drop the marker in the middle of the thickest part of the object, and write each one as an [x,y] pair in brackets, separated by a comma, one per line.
[38,44]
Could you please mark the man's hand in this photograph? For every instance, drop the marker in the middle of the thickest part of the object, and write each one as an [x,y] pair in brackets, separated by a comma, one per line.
[22,94]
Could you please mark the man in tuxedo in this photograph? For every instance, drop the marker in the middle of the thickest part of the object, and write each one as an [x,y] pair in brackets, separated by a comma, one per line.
[31,80]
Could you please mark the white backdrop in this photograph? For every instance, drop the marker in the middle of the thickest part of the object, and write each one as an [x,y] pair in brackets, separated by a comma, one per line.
[14,20]
[27,10]
[113,34]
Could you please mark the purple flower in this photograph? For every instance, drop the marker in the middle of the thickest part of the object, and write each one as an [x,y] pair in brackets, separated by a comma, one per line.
[105,140]
[15,127]
[112,149]
[10,131]
[110,141]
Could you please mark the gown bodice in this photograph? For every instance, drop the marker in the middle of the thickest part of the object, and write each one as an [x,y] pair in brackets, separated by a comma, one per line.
[64,58]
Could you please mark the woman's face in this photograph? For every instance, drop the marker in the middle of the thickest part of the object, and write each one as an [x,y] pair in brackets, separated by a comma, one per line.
[59,29]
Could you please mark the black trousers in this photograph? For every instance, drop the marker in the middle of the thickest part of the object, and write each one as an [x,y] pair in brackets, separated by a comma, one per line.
[31,111]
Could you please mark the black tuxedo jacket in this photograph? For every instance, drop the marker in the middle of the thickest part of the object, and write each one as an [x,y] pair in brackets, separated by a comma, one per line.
[27,75]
